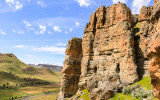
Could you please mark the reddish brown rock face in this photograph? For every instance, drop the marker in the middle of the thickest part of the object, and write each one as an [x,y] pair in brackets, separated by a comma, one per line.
[117,13]
[154,53]
[145,13]
[112,54]
[154,65]
[108,52]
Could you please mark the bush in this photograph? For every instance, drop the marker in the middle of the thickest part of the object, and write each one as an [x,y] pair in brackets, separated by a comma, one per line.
[138,92]
[128,89]
[142,93]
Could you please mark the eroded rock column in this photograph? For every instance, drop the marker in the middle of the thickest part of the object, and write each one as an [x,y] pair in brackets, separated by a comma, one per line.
[71,69]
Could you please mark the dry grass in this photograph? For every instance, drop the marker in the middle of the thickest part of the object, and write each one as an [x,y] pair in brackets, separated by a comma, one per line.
[28,91]
[47,97]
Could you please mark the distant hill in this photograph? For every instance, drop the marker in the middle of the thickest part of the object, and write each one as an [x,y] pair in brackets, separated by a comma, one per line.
[52,67]
[14,72]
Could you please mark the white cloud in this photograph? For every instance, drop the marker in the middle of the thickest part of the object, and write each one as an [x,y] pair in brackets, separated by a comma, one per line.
[77,23]
[123,1]
[49,32]
[20,32]
[66,32]
[10,1]
[27,23]
[14,3]
[42,29]
[85,3]
[18,5]
[41,3]
[57,29]
[61,44]
[55,50]
[19,46]
[50,49]
[2,32]
[137,5]
[71,29]
[17,31]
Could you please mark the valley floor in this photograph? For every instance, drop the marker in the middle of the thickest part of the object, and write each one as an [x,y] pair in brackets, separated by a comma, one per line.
[50,96]
[29,92]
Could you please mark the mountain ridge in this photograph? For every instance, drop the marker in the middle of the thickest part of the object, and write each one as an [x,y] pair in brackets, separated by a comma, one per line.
[55,68]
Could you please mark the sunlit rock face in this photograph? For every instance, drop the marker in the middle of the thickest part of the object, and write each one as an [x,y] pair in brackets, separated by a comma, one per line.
[154,66]
[154,53]
[113,52]
[145,13]
[71,69]
[108,52]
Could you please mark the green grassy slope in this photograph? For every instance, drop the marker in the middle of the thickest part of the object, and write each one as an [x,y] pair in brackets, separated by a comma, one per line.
[13,71]
[19,79]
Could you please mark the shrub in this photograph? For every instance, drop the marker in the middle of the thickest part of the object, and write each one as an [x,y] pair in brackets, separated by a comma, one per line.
[128,89]
[138,92]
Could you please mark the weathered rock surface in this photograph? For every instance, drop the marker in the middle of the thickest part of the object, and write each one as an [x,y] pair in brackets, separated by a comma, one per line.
[113,52]
[71,69]
[145,13]
[108,52]
[154,66]
[154,53]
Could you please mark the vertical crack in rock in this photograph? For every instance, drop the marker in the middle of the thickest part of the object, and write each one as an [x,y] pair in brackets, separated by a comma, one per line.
[142,38]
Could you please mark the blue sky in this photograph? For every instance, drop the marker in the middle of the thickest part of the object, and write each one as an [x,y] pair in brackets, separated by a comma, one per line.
[37,31]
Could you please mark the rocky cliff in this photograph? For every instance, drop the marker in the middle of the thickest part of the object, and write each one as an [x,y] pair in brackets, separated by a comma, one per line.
[113,52]
[71,69]
[154,53]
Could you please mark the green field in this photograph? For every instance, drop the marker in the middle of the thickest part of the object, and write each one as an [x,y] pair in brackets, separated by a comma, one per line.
[18,79]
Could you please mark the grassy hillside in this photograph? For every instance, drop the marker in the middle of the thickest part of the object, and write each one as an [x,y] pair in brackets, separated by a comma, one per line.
[16,75]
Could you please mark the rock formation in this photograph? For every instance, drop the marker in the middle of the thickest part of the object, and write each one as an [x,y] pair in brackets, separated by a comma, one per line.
[108,52]
[71,69]
[154,53]
[145,13]
[113,52]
